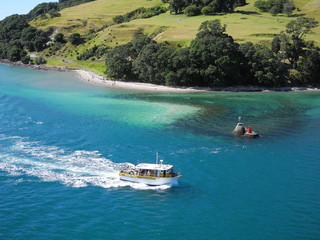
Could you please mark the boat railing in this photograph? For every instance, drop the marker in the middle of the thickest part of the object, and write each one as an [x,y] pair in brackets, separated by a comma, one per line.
[150,173]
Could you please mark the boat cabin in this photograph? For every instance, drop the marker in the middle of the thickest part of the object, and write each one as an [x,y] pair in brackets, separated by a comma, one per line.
[154,170]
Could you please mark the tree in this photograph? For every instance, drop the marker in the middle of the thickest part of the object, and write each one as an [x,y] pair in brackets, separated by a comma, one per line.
[14,54]
[207,7]
[183,69]
[25,59]
[191,10]
[39,43]
[11,27]
[119,19]
[309,68]
[207,10]
[241,2]
[59,38]
[228,5]
[177,6]
[275,6]
[28,33]
[23,53]
[300,27]
[153,63]
[264,6]
[288,8]
[120,59]
[40,60]
[215,55]
[70,3]
[75,39]
[211,28]
[16,34]
[275,10]
[292,39]
[41,10]
[119,62]
[263,67]
[276,45]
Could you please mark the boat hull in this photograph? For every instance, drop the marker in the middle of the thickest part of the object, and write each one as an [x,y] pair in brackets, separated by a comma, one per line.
[151,181]
[251,135]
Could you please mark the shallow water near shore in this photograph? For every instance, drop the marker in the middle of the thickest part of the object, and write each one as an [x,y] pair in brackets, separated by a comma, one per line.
[63,141]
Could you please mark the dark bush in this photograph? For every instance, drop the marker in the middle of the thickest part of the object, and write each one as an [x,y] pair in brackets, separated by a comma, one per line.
[139,13]
[75,39]
[207,10]
[25,60]
[40,60]
[191,10]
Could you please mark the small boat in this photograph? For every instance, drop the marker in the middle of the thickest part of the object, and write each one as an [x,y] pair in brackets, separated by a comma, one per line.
[251,134]
[150,174]
[242,130]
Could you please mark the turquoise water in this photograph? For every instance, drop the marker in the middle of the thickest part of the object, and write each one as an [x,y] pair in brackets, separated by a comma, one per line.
[62,142]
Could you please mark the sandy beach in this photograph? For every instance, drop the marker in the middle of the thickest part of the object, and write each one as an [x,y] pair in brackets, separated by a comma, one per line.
[95,78]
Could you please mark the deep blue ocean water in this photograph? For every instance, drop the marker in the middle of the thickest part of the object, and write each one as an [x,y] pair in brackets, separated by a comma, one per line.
[62,142]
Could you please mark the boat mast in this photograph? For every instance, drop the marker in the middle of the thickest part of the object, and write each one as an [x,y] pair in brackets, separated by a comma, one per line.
[157,157]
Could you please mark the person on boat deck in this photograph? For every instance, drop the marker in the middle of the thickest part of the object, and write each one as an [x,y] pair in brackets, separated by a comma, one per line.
[249,130]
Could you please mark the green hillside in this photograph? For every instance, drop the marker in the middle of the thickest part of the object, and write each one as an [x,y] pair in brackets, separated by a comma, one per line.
[246,24]
[93,15]
[94,21]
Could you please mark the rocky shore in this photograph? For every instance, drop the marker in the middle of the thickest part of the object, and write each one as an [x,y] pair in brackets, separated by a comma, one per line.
[36,67]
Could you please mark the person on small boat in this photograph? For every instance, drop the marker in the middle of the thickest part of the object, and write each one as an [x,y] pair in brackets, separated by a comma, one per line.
[251,134]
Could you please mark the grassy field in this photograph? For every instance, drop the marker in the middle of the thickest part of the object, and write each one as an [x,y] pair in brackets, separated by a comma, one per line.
[182,29]
[92,15]
[98,67]
[245,24]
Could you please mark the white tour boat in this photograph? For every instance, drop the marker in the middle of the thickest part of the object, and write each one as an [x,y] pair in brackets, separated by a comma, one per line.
[150,174]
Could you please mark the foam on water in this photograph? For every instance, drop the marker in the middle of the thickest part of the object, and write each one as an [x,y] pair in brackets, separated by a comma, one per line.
[53,164]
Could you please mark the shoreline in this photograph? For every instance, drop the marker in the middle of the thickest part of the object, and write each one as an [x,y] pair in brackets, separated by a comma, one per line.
[36,67]
[95,78]
[98,79]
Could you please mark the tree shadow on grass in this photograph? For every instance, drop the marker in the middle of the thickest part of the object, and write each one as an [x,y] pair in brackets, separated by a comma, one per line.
[248,12]
[297,15]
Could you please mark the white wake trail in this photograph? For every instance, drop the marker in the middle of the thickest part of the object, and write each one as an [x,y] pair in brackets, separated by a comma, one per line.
[53,164]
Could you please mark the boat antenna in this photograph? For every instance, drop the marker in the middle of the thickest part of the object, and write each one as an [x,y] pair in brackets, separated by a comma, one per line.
[157,157]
